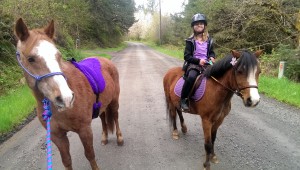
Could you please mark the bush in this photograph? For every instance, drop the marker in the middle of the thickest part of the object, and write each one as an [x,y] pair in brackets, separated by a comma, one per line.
[270,63]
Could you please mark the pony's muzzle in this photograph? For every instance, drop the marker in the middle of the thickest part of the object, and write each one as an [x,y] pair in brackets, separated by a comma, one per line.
[251,103]
[63,103]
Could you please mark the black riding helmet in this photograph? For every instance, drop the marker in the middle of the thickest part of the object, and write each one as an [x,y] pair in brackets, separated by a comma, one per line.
[199,17]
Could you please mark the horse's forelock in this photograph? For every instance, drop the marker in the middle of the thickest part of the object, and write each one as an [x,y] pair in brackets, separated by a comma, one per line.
[247,60]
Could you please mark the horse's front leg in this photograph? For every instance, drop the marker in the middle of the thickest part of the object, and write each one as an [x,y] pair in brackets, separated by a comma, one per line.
[207,127]
[213,157]
[61,141]
[86,137]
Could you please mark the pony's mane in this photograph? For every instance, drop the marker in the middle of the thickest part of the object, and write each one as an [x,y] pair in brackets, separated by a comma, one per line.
[246,61]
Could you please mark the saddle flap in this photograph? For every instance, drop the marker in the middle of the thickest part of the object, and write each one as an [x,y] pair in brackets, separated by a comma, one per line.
[199,88]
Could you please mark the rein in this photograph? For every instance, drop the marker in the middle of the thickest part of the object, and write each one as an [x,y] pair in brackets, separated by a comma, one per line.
[46,117]
[238,91]
[36,77]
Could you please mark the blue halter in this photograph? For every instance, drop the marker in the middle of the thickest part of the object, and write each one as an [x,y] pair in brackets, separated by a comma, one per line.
[37,77]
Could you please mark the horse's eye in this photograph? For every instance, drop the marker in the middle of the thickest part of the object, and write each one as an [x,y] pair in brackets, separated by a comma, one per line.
[31,59]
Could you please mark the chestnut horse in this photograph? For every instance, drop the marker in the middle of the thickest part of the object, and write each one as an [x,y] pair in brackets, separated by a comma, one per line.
[236,73]
[68,90]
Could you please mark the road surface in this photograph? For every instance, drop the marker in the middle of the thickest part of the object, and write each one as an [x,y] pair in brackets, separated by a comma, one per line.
[265,137]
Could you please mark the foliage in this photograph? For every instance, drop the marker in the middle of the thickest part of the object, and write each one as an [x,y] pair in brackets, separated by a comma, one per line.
[8,73]
[270,62]
[236,24]
[94,23]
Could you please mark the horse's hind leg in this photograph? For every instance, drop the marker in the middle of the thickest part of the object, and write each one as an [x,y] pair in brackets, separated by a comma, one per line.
[86,137]
[183,126]
[113,110]
[120,139]
[61,141]
[172,115]
[104,137]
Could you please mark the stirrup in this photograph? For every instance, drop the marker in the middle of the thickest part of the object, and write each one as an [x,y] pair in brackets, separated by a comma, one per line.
[184,105]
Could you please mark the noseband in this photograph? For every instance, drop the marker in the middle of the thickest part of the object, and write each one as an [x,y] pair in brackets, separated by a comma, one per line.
[36,77]
[238,90]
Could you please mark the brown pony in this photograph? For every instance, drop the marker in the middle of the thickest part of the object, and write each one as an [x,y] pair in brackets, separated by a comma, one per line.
[236,73]
[69,91]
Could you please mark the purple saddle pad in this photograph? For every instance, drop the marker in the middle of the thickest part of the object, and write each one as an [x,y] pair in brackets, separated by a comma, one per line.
[198,93]
[91,68]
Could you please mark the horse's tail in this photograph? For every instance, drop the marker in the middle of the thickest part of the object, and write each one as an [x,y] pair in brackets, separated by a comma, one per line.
[169,116]
[110,114]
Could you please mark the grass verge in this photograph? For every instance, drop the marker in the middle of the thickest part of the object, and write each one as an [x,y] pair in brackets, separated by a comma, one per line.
[283,89]
[15,108]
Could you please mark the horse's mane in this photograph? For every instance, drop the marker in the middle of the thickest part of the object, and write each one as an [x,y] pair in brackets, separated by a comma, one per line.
[246,61]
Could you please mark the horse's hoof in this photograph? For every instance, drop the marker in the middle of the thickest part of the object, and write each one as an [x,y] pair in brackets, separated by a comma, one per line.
[104,142]
[184,129]
[206,168]
[175,135]
[120,143]
[214,160]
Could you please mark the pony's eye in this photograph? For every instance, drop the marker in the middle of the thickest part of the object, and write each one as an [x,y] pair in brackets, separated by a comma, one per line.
[31,59]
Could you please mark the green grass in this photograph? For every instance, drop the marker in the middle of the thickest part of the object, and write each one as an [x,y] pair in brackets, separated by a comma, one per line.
[89,53]
[167,49]
[103,52]
[281,89]
[15,108]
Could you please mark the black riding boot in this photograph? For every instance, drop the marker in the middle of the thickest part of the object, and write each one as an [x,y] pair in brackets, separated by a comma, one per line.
[184,95]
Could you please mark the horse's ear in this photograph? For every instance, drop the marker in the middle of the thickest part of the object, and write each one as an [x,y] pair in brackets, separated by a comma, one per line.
[21,30]
[49,30]
[235,53]
[258,53]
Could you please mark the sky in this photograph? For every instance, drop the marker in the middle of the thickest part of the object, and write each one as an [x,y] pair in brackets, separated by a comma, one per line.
[167,6]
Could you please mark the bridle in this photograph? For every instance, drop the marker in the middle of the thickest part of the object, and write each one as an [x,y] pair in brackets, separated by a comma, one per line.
[238,90]
[37,77]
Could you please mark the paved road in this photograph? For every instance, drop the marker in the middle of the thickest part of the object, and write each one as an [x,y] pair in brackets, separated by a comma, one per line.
[266,137]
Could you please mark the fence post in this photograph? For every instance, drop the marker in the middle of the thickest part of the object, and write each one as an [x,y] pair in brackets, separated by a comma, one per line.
[281,69]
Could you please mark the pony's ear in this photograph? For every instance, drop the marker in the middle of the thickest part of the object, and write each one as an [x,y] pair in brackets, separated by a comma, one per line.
[235,53]
[258,53]
[21,30]
[49,30]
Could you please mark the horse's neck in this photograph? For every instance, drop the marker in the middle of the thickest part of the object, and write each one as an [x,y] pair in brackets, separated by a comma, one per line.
[226,82]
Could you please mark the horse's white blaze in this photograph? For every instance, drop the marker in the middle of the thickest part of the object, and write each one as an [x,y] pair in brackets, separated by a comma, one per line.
[254,95]
[47,51]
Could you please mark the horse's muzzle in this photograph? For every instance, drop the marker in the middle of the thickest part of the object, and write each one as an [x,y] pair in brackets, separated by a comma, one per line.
[64,103]
[251,103]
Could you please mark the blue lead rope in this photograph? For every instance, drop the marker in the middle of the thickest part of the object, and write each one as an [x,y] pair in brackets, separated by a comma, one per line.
[46,117]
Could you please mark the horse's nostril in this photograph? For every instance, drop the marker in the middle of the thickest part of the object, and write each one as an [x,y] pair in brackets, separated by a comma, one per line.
[59,99]
[249,101]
